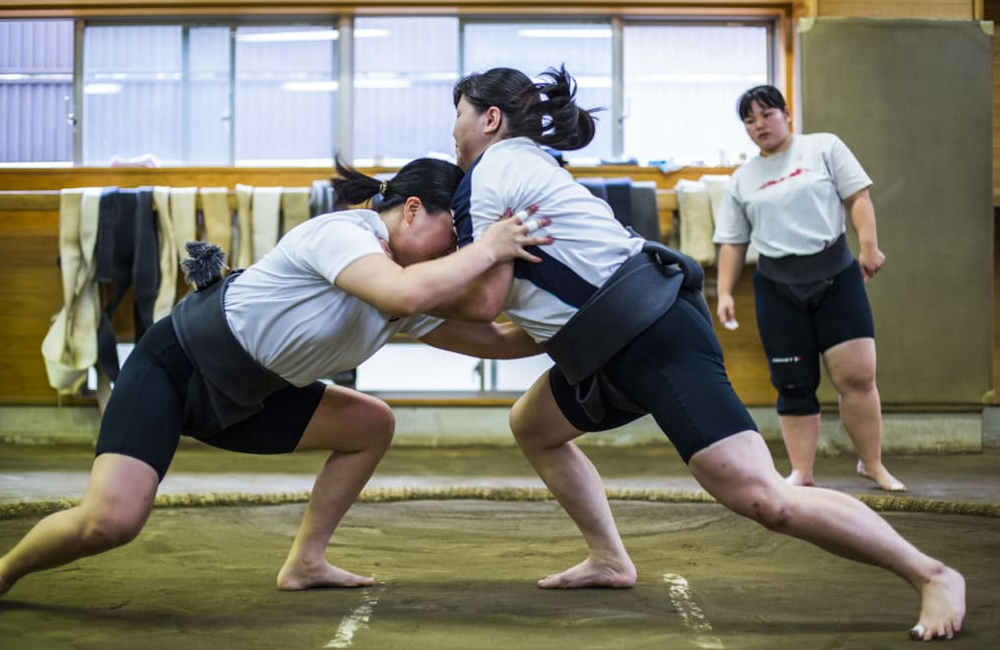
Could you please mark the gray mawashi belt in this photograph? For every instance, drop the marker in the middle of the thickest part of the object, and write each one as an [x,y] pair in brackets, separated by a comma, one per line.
[635,296]
[228,385]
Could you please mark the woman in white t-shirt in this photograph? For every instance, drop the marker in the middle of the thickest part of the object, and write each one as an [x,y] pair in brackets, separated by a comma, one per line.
[238,362]
[588,304]
[791,202]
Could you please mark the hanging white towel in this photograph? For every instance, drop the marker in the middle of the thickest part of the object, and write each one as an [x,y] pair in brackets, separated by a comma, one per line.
[716,184]
[695,221]
[218,218]
[243,233]
[185,217]
[167,292]
[70,346]
[266,219]
[294,207]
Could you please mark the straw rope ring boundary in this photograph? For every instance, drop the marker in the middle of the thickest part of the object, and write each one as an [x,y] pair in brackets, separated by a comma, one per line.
[389,495]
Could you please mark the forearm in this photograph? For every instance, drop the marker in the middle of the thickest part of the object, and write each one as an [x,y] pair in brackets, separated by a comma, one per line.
[431,284]
[861,212]
[483,340]
[481,300]
[732,257]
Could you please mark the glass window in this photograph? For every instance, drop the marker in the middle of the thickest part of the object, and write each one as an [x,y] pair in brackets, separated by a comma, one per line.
[132,93]
[209,117]
[36,91]
[165,91]
[216,93]
[286,95]
[404,70]
[681,87]
[533,47]
[402,367]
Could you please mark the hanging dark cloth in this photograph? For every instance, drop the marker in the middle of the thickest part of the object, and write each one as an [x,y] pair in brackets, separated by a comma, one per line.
[127,255]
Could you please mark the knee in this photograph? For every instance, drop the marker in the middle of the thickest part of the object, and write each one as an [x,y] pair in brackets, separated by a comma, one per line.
[771,514]
[517,422]
[796,403]
[381,424]
[856,382]
[524,433]
[796,397]
[766,508]
[105,530]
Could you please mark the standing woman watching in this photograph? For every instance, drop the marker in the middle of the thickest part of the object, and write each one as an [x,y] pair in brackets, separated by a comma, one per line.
[791,202]
[238,362]
[630,334]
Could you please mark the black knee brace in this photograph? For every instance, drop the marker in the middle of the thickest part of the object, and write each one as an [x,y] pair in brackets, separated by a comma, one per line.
[796,379]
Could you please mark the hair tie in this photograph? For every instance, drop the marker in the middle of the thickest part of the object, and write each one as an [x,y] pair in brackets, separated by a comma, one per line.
[383,187]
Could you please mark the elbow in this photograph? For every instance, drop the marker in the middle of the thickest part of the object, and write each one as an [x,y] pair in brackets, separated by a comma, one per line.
[484,313]
[404,306]
[484,310]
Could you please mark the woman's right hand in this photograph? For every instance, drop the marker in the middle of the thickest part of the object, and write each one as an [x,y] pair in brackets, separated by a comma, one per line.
[726,309]
[508,237]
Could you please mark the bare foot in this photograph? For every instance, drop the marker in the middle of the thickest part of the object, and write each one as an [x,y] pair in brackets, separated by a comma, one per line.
[295,577]
[942,606]
[800,479]
[881,475]
[591,573]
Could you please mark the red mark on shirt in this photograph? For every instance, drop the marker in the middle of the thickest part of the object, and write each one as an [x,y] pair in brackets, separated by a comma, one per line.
[797,172]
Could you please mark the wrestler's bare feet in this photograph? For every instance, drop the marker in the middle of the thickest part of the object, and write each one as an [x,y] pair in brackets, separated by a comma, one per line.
[942,606]
[592,573]
[881,476]
[296,576]
[800,479]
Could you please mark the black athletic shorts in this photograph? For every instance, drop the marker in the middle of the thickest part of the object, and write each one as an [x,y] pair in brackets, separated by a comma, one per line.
[807,320]
[674,370]
[143,417]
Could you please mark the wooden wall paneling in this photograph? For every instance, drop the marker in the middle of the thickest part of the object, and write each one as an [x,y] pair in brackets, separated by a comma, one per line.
[30,296]
[31,291]
[946,9]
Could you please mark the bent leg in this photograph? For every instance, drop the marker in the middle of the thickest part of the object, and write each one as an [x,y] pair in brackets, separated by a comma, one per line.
[357,429]
[739,472]
[115,506]
[851,365]
[545,438]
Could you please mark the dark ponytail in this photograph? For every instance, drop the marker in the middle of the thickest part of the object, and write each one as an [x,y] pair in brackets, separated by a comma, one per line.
[545,112]
[432,181]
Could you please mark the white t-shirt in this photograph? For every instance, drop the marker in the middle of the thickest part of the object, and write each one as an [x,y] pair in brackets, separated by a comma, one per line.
[791,203]
[590,244]
[287,313]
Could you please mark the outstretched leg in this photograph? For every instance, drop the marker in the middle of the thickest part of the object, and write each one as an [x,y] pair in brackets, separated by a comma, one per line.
[851,365]
[115,506]
[545,436]
[357,429]
[739,472]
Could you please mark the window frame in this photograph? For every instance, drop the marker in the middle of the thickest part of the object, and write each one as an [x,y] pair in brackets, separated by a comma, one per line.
[772,16]
[232,23]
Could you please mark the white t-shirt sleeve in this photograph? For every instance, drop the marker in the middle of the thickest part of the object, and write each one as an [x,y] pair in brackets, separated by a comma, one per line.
[420,325]
[334,246]
[487,204]
[731,223]
[848,175]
